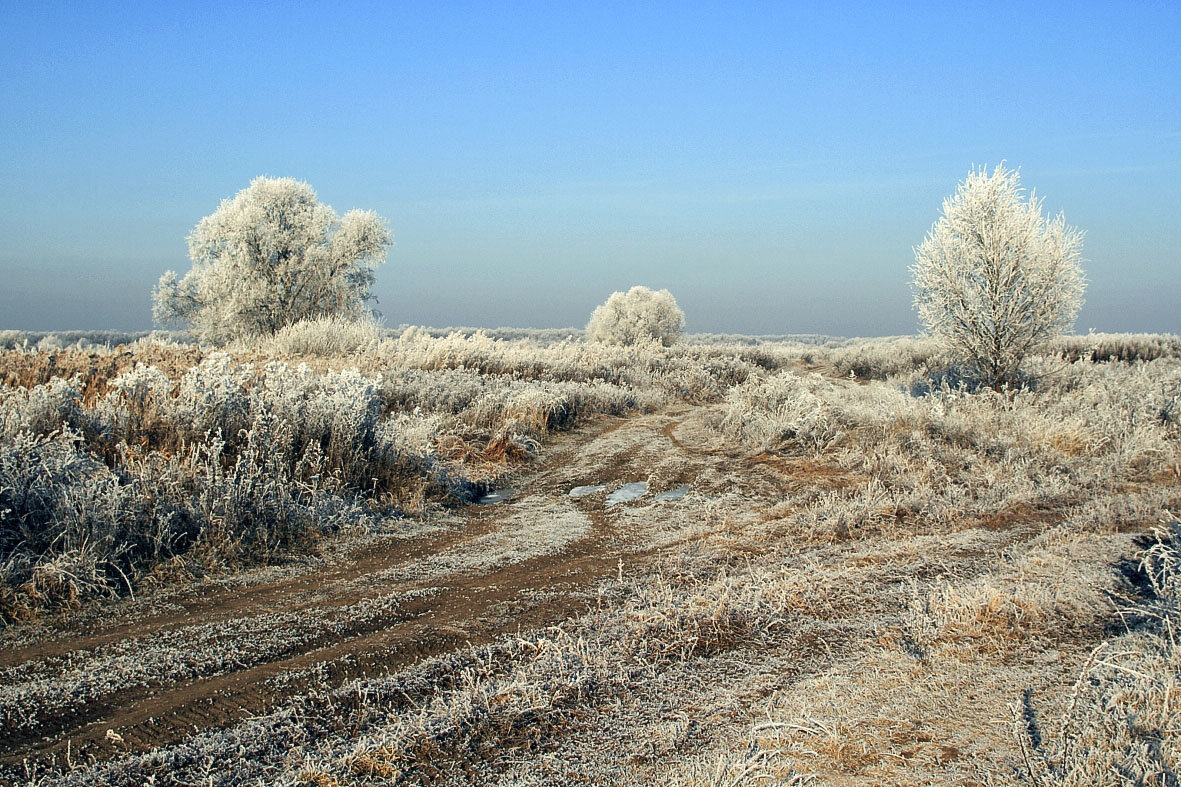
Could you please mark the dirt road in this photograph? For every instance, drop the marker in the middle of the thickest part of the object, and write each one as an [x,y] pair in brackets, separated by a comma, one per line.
[149,671]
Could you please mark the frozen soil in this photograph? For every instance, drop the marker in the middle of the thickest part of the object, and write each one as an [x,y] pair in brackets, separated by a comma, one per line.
[695,639]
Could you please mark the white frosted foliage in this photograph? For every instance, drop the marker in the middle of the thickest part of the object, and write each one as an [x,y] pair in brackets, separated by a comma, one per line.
[639,316]
[269,257]
[994,279]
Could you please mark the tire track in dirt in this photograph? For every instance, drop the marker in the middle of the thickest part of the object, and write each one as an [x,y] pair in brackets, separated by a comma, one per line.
[206,604]
[471,607]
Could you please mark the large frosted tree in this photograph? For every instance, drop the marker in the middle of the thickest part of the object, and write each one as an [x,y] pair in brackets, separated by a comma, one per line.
[994,279]
[639,316]
[269,257]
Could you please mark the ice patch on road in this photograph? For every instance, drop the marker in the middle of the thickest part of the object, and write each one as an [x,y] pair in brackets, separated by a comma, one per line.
[627,492]
[583,491]
[672,495]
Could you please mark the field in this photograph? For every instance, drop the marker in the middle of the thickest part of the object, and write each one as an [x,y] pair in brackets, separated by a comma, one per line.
[522,558]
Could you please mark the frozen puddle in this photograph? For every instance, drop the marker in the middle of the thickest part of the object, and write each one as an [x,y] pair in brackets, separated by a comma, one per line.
[672,495]
[494,497]
[583,491]
[632,491]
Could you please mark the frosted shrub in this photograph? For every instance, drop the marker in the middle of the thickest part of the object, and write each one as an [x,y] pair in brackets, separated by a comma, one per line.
[135,400]
[70,527]
[639,316]
[410,435]
[530,408]
[143,383]
[65,521]
[32,468]
[449,391]
[331,428]
[701,382]
[212,397]
[136,411]
[994,280]
[270,257]
[540,408]
[42,409]
[251,507]
[335,415]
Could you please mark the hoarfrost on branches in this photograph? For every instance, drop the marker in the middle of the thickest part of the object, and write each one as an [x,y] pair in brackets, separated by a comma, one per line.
[269,257]
[994,279]
[639,316]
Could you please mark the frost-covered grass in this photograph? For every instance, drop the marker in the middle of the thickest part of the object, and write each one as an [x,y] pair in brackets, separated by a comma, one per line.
[116,460]
[1117,346]
[1123,718]
[321,336]
[935,452]
[876,560]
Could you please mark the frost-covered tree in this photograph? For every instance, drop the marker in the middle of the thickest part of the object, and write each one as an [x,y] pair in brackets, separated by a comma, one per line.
[994,279]
[639,316]
[272,256]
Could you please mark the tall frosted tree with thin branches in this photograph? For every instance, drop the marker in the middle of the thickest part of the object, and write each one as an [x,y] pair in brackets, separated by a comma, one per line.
[271,256]
[994,279]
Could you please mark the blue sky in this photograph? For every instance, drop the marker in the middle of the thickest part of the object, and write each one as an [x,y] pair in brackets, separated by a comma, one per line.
[773,165]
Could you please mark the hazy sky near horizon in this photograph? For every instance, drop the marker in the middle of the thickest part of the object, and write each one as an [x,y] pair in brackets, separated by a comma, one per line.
[772,164]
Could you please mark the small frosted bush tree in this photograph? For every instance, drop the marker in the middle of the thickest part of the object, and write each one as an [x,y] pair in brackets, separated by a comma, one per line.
[270,257]
[994,279]
[639,316]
